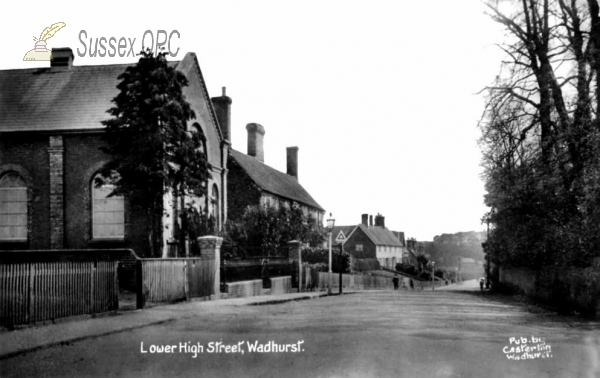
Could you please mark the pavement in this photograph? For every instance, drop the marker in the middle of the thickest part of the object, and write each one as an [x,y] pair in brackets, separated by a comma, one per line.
[16,342]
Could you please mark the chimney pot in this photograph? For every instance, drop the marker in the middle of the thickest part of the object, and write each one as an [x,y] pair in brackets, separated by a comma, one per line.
[256,134]
[370,221]
[292,162]
[62,58]
[365,220]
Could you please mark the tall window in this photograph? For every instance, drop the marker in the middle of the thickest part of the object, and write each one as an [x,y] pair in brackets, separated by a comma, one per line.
[108,213]
[13,207]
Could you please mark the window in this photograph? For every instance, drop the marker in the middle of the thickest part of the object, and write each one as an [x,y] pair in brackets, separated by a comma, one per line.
[13,207]
[108,213]
[359,248]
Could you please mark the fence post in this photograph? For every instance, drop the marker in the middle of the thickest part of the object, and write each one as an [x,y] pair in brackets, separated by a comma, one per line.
[294,253]
[186,288]
[210,249]
[30,302]
[93,288]
[139,284]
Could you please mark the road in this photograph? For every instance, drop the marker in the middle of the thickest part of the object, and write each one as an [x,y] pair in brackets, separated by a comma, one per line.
[366,334]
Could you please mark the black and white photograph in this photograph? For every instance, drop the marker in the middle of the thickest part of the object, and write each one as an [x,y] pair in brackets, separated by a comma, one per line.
[278,188]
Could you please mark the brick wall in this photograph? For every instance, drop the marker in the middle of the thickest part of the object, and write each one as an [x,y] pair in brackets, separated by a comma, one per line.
[58,171]
[57,216]
[83,159]
[281,285]
[28,155]
[242,191]
[244,289]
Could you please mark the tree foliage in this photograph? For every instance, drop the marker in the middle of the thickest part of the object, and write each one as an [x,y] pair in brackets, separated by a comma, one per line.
[540,135]
[154,151]
[270,227]
[319,258]
[447,248]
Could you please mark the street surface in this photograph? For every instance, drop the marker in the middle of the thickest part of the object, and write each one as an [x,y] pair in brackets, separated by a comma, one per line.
[366,334]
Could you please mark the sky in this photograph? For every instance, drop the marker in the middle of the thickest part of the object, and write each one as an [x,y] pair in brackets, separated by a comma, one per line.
[381,97]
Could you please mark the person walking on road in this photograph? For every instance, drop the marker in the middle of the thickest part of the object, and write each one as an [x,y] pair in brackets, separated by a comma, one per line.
[481,281]
[395,280]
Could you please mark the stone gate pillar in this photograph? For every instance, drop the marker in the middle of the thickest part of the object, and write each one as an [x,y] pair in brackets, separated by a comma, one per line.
[294,254]
[210,252]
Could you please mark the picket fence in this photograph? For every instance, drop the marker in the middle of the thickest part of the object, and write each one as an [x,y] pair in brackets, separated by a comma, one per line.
[313,280]
[38,286]
[40,291]
[173,279]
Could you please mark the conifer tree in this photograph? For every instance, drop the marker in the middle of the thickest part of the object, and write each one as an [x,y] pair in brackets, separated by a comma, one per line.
[154,151]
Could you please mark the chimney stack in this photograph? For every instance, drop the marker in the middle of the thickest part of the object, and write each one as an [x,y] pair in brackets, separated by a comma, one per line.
[256,134]
[370,221]
[365,220]
[292,161]
[62,58]
[401,237]
[380,221]
[222,106]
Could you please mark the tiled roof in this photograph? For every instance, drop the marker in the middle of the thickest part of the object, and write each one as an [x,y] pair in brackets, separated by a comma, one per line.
[381,236]
[347,230]
[274,181]
[43,99]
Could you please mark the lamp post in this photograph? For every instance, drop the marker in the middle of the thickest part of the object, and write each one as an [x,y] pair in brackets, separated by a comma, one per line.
[341,260]
[330,224]
[487,254]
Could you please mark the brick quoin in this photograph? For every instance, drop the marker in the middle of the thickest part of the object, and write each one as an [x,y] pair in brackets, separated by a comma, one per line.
[57,216]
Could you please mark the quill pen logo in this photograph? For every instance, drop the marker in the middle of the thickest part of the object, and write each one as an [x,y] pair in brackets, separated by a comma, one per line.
[40,52]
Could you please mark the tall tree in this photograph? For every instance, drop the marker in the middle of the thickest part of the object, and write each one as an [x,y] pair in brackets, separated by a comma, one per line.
[539,134]
[154,151]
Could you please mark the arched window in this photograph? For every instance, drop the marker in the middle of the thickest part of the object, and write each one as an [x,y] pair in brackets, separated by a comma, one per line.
[214,205]
[201,137]
[108,213]
[13,207]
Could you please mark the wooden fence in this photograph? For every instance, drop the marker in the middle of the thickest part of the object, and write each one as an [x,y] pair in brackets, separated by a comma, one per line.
[39,291]
[313,280]
[175,279]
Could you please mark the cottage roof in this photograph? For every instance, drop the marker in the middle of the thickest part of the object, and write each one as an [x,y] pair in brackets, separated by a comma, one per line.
[274,181]
[380,236]
[51,99]
[337,230]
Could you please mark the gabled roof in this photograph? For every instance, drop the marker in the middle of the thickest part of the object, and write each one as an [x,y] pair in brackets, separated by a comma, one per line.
[380,236]
[274,181]
[50,99]
[346,230]
[399,235]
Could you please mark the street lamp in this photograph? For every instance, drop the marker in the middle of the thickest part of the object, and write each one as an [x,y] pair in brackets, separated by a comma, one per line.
[330,224]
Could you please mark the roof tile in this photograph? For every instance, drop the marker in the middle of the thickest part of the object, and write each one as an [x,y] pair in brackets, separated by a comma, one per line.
[274,181]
